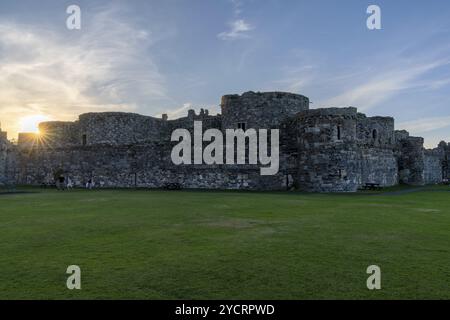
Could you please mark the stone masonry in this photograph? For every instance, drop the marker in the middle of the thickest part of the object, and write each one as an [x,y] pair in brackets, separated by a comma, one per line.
[5,149]
[321,150]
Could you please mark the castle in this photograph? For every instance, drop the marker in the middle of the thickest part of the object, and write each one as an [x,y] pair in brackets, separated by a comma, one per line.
[321,150]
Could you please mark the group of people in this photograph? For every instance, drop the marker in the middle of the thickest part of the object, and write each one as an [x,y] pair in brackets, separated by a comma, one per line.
[67,184]
[62,184]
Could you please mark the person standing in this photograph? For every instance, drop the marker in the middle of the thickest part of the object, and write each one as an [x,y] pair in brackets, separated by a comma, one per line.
[89,184]
[61,181]
[69,183]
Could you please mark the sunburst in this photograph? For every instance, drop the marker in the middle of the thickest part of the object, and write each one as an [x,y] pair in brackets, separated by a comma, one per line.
[31,123]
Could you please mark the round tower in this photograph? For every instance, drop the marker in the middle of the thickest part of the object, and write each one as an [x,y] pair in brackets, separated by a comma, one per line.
[327,150]
[260,110]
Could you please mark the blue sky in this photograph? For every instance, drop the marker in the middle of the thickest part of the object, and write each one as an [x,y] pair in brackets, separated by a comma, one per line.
[155,57]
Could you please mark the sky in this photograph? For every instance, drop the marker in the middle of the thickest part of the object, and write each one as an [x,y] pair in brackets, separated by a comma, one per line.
[168,56]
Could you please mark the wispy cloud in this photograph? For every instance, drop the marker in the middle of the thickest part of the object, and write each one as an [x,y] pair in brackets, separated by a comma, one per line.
[238,28]
[296,79]
[237,7]
[61,75]
[180,112]
[425,125]
[369,85]
[384,84]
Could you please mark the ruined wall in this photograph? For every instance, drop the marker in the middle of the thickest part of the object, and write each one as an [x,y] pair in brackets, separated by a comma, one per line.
[260,110]
[376,140]
[110,166]
[417,165]
[340,149]
[28,140]
[112,163]
[377,132]
[57,134]
[433,166]
[378,166]
[118,128]
[107,128]
[445,147]
[3,157]
[321,150]
[208,122]
[147,165]
[436,164]
[8,156]
[410,159]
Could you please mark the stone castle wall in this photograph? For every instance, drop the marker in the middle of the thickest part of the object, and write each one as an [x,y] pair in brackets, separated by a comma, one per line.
[377,165]
[433,166]
[3,157]
[340,149]
[60,134]
[146,165]
[108,128]
[321,150]
[417,165]
[8,156]
[327,150]
[445,147]
[411,161]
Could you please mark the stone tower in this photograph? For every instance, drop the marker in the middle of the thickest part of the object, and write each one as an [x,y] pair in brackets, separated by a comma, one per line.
[260,110]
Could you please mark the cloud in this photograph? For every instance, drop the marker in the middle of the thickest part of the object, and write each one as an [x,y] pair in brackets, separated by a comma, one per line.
[420,126]
[107,65]
[296,79]
[435,84]
[383,85]
[237,7]
[238,30]
[180,112]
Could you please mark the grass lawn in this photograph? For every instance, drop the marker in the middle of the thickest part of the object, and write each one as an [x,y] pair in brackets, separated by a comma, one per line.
[224,245]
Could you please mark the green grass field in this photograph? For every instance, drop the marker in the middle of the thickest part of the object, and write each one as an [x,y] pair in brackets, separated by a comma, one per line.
[224,245]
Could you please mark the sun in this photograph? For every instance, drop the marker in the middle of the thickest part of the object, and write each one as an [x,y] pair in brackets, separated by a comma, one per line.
[31,123]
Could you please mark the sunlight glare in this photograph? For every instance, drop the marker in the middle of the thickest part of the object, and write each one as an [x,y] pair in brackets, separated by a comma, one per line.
[31,123]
